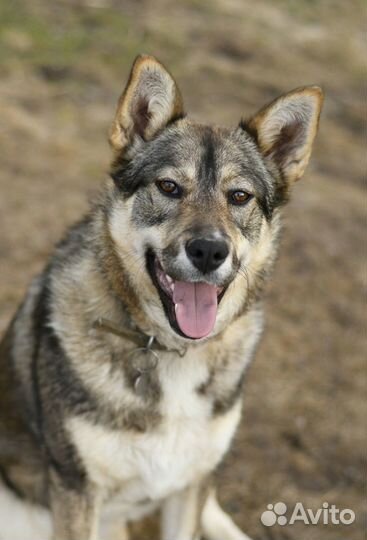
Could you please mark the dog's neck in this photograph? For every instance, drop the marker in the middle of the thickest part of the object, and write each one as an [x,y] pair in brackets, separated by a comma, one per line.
[144,357]
[142,340]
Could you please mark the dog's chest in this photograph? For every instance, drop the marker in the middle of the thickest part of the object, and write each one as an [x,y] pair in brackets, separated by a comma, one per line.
[187,443]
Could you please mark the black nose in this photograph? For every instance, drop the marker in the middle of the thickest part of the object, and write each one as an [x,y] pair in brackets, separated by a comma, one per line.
[207,255]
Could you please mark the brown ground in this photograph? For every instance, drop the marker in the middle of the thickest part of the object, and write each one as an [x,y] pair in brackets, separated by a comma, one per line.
[303,437]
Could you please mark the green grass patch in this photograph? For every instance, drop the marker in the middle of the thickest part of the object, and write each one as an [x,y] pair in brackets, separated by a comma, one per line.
[67,37]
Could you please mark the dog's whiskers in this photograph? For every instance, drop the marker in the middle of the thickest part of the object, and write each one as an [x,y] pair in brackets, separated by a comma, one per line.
[243,272]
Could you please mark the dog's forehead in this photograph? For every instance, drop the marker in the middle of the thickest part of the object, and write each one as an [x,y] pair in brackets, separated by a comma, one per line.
[209,155]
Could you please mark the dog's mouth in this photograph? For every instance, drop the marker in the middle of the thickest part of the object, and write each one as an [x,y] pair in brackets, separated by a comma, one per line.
[191,308]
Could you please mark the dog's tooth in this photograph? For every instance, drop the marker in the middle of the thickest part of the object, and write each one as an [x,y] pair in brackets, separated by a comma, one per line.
[169,279]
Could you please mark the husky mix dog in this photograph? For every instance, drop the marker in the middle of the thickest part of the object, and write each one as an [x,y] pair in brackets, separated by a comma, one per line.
[121,374]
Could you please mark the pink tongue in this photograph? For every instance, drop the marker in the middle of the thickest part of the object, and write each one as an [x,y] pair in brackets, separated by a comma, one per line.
[196,308]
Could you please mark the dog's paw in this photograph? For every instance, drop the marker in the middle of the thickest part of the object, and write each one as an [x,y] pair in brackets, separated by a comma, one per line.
[217,525]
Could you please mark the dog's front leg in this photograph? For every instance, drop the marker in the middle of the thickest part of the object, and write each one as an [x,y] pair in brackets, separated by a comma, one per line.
[217,525]
[181,513]
[75,512]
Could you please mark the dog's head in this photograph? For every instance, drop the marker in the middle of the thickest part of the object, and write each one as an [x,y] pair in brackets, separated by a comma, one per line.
[194,209]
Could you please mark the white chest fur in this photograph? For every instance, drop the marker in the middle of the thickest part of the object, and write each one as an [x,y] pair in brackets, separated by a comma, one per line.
[187,444]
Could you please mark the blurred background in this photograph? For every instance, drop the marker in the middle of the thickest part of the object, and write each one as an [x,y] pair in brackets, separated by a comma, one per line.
[62,67]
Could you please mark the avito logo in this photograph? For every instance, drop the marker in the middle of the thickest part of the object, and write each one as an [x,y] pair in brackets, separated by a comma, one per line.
[327,514]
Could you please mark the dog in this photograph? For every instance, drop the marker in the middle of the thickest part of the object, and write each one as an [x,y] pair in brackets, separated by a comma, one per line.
[121,374]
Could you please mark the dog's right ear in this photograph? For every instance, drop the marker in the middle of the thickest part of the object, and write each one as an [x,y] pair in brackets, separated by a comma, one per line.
[150,101]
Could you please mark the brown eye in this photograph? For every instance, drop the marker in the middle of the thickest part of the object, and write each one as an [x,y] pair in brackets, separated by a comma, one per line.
[169,187]
[239,198]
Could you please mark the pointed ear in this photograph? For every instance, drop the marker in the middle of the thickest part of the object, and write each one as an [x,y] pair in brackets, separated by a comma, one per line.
[149,102]
[286,128]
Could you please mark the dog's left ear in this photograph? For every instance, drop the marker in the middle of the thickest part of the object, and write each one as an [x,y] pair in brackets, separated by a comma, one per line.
[286,128]
[149,102]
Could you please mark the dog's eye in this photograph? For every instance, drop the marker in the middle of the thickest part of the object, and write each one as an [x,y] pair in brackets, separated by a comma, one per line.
[169,187]
[239,198]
